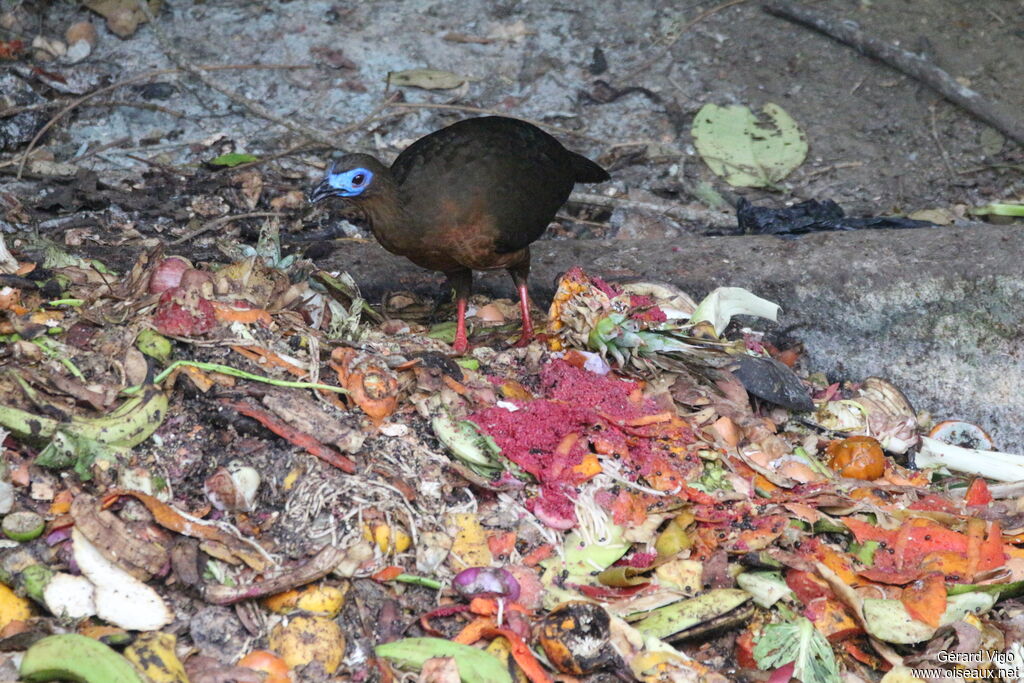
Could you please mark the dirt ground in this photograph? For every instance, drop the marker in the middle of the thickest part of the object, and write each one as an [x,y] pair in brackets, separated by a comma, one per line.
[627,77]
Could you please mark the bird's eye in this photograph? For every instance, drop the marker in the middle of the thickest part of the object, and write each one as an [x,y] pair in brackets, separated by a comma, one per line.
[358,179]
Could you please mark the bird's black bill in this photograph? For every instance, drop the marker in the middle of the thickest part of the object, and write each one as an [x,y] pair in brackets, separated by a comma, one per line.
[321,192]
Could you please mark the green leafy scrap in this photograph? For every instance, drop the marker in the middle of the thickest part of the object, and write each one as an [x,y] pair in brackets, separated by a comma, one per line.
[68,449]
[747,150]
[466,442]
[999,209]
[799,642]
[473,664]
[233,159]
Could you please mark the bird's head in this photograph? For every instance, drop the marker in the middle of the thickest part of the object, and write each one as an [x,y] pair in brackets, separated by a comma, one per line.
[353,177]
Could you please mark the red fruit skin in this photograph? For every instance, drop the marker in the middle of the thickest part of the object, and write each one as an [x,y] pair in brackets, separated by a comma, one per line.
[978,493]
[745,651]
[184,314]
[807,586]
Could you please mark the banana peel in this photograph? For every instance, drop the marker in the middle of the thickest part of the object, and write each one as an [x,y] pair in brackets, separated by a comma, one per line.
[127,426]
[153,654]
[73,657]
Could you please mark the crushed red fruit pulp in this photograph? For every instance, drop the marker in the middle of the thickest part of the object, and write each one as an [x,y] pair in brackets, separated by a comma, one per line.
[599,408]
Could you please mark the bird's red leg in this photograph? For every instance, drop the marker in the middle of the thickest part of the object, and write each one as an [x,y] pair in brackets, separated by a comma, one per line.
[519,276]
[462,283]
[461,343]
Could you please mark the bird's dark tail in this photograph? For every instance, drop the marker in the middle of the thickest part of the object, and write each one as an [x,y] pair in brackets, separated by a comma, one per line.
[587,171]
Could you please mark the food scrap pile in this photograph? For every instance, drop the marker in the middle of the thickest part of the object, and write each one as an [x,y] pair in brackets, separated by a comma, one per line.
[245,473]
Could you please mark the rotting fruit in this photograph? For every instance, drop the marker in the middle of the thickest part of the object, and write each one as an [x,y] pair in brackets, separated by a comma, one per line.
[857,457]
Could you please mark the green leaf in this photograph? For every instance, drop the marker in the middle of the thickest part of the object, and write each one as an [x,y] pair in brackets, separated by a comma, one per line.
[1002,591]
[443,331]
[890,621]
[864,552]
[746,150]
[474,665]
[766,587]
[581,561]
[999,209]
[233,159]
[799,642]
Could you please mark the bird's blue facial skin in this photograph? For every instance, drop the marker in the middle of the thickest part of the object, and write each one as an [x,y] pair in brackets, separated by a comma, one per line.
[350,183]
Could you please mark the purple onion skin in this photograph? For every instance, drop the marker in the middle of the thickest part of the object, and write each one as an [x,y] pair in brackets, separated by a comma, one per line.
[477,582]
[58,536]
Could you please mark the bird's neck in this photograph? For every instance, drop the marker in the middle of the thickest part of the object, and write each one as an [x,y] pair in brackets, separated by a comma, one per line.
[389,221]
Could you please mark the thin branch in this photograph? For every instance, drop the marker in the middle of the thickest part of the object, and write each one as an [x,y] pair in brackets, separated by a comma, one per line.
[151,106]
[102,148]
[911,64]
[223,220]
[681,213]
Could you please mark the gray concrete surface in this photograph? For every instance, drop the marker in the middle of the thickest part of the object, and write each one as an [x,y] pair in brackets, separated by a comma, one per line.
[939,312]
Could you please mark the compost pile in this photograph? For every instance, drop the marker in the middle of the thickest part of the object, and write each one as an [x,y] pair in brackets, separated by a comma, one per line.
[244,472]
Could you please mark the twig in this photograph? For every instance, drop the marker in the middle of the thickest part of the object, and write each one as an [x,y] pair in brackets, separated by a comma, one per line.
[109,103]
[139,105]
[833,167]
[102,148]
[223,220]
[568,218]
[992,167]
[388,102]
[493,112]
[682,213]
[679,34]
[911,64]
[28,107]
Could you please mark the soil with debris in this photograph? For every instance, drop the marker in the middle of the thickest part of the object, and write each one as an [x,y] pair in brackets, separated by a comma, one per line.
[325,516]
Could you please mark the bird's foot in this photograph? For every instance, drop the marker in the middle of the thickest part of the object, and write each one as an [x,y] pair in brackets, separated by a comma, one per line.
[524,340]
[462,349]
[527,335]
[461,343]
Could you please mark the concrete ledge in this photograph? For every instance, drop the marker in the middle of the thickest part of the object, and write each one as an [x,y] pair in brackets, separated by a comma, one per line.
[940,312]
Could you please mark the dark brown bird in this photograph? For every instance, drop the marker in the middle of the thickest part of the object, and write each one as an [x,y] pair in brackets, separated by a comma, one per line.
[472,196]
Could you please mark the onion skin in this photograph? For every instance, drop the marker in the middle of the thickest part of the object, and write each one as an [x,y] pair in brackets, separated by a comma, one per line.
[168,274]
[478,582]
